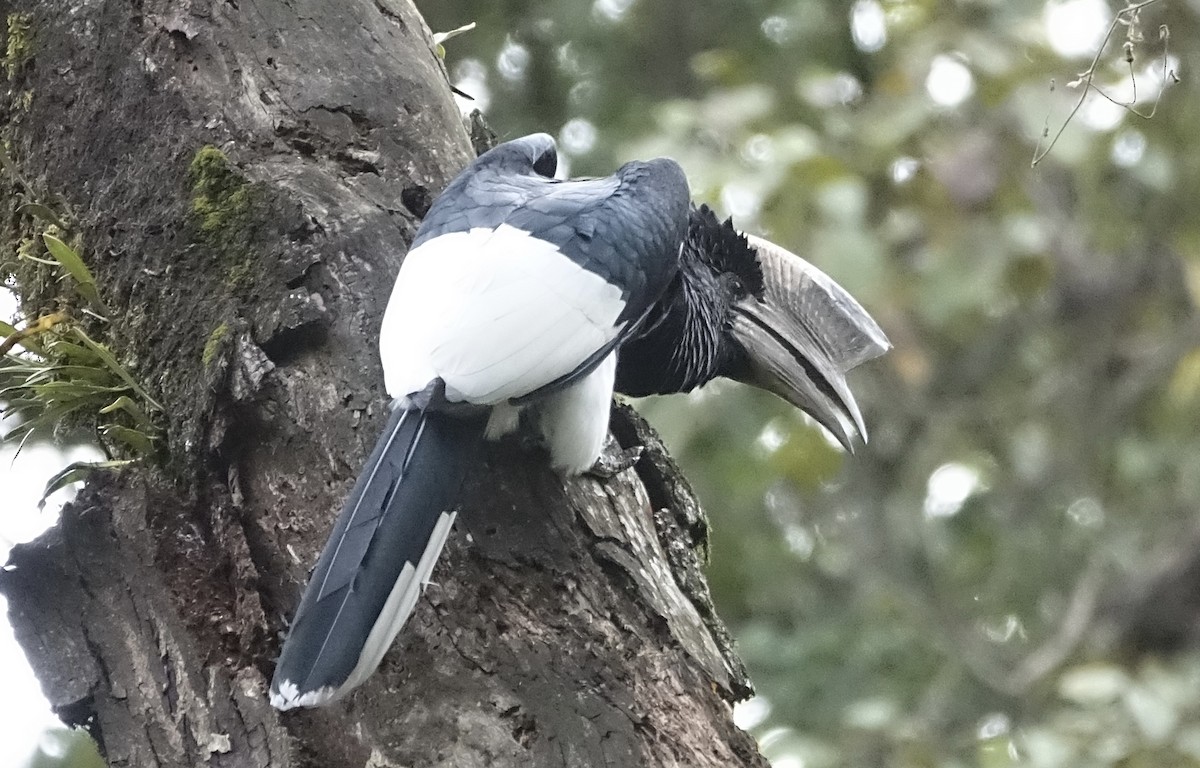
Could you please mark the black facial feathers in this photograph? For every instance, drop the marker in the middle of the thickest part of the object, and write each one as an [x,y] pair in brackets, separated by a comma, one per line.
[546,163]
[685,341]
[724,250]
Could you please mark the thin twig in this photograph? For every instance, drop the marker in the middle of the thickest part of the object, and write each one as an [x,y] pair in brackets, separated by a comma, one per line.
[1087,78]
[1167,74]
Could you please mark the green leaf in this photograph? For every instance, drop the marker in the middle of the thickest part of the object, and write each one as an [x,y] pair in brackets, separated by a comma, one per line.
[125,403]
[73,389]
[86,372]
[77,472]
[74,353]
[52,416]
[138,442]
[45,213]
[66,256]
[18,402]
[110,361]
[44,418]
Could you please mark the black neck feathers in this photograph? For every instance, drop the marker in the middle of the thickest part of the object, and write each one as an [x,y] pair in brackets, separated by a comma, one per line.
[684,341]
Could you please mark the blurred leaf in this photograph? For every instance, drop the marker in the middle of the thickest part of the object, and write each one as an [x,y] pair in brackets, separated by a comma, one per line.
[807,457]
[66,748]
[1093,684]
[1030,276]
[997,752]
[1184,388]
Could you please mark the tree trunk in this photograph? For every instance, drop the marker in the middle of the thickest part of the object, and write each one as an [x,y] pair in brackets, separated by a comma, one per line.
[568,624]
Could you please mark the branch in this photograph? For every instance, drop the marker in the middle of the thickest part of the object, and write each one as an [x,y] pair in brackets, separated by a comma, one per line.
[1127,16]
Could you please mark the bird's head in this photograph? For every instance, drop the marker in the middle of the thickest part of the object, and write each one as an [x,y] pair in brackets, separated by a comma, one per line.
[795,332]
[724,256]
[533,154]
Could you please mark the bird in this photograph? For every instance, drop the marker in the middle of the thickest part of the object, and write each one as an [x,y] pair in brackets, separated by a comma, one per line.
[515,295]
[525,298]
[746,309]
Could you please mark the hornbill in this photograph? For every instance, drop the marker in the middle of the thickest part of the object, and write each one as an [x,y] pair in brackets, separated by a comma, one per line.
[524,297]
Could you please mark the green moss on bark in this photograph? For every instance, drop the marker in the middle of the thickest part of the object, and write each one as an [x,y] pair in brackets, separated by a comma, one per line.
[221,198]
[213,345]
[19,45]
[226,210]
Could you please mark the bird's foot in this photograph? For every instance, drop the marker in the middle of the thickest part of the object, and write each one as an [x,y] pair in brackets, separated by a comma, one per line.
[609,465]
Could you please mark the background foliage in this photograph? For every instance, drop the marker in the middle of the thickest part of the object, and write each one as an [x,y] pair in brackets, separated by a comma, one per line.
[1004,575]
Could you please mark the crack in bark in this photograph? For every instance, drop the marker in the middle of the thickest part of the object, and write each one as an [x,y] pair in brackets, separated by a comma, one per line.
[391,15]
[357,117]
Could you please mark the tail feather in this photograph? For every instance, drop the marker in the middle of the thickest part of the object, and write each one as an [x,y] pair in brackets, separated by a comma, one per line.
[382,550]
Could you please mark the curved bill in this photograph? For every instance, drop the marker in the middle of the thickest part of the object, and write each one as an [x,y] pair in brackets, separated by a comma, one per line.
[803,336]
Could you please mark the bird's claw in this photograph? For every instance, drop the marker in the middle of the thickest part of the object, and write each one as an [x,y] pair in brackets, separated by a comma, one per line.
[609,465]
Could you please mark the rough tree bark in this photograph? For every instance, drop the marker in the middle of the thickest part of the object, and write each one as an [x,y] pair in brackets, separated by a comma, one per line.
[568,624]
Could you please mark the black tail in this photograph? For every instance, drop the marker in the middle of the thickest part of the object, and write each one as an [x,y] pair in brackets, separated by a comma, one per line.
[381,552]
